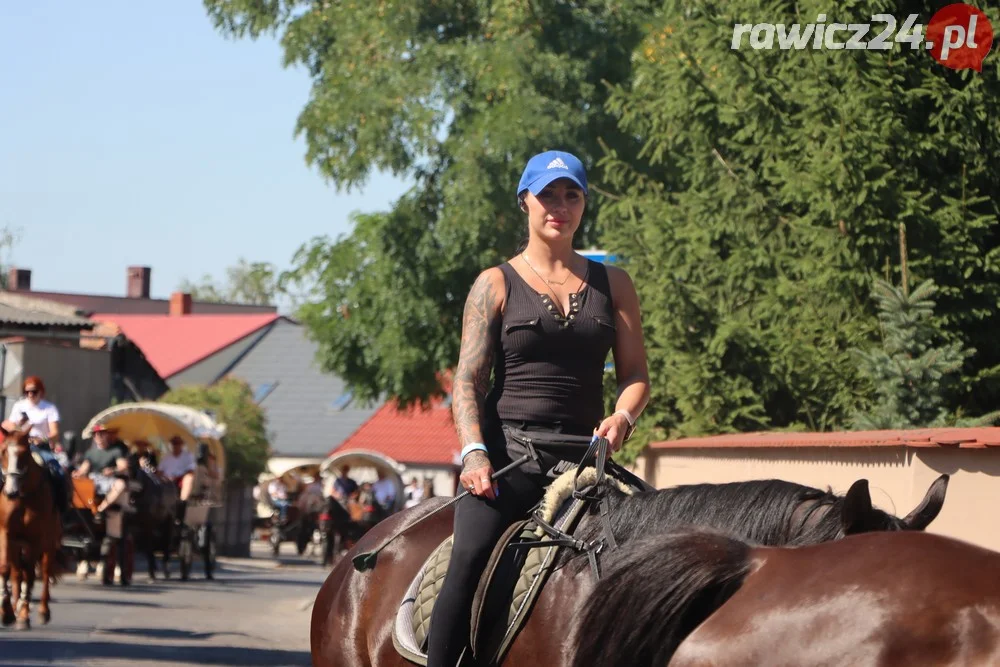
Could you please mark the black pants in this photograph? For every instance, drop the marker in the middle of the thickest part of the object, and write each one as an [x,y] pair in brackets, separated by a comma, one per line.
[479,523]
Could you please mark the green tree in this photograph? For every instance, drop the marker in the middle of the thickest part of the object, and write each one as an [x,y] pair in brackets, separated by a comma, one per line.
[254,283]
[207,290]
[766,194]
[455,94]
[910,368]
[246,439]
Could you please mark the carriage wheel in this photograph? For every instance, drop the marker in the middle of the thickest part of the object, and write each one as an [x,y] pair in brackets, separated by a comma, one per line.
[304,537]
[128,560]
[110,548]
[208,552]
[275,539]
[185,553]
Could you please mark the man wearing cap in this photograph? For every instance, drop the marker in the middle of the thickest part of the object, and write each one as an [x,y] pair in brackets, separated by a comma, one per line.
[178,466]
[105,462]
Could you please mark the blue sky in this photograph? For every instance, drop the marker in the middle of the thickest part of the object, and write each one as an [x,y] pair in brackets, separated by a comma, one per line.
[133,133]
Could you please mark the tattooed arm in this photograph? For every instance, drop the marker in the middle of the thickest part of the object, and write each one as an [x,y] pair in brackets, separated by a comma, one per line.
[480,327]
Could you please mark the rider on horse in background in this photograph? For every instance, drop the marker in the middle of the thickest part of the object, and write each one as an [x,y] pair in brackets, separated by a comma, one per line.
[344,486]
[41,418]
[106,463]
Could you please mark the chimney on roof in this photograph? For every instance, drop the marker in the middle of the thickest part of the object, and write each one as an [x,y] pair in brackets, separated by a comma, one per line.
[19,280]
[137,282]
[180,304]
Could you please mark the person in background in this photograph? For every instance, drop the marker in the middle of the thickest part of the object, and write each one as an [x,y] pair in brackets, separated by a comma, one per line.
[311,499]
[104,463]
[279,496]
[414,492]
[178,467]
[384,491]
[144,455]
[344,486]
[209,466]
[36,414]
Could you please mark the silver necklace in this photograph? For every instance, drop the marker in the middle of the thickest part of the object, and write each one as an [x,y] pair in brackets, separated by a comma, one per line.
[550,282]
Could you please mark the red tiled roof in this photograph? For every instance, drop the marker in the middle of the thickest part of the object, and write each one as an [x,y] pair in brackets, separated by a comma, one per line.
[411,436]
[173,343]
[966,438]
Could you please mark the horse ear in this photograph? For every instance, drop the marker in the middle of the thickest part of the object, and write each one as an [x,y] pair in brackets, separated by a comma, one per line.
[929,507]
[857,506]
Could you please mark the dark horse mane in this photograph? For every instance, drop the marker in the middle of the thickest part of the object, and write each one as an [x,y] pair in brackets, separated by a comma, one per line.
[695,573]
[769,512]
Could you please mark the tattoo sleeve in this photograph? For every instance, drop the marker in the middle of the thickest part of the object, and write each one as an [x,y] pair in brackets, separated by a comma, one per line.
[475,460]
[480,325]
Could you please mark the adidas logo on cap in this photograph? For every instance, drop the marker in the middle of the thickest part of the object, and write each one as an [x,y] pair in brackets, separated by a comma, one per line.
[557,164]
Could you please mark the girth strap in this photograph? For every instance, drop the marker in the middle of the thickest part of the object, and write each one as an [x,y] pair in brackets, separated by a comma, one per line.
[560,538]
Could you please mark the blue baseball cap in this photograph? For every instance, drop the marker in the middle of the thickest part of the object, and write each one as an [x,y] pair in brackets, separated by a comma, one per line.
[546,167]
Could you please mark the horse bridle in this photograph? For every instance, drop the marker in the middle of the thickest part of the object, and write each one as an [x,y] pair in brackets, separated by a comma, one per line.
[16,474]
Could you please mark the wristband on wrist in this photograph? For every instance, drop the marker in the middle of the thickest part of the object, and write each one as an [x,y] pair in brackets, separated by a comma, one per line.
[631,422]
[628,416]
[472,447]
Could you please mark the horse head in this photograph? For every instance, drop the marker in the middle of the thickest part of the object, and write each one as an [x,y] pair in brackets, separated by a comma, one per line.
[859,516]
[16,463]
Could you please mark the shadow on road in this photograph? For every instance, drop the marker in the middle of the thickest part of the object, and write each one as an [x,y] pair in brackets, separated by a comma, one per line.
[250,582]
[115,602]
[27,651]
[167,633]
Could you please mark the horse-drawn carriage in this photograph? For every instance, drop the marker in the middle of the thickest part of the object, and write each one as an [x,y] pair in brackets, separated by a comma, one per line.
[294,517]
[147,513]
[346,519]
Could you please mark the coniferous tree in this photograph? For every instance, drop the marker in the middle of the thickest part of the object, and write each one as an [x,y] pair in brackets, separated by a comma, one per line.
[762,195]
[909,371]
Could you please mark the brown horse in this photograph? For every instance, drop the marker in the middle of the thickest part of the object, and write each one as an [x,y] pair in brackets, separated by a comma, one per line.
[879,599]
[354,611]
[30,530]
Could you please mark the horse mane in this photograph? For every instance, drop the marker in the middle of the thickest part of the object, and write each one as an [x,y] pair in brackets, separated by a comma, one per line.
[625,615]
[759,511]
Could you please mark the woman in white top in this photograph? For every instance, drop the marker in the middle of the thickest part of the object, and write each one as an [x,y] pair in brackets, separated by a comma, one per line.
[41,417]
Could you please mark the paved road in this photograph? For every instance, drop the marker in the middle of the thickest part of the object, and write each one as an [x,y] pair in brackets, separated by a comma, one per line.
[256,612]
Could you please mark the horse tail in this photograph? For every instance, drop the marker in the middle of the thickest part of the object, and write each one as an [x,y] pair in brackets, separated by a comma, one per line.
[655,593]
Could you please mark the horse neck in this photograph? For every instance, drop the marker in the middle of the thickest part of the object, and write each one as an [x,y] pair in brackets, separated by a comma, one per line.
[759,511]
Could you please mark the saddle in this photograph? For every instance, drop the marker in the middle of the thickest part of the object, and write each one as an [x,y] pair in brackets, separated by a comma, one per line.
[57,480]
[514,576]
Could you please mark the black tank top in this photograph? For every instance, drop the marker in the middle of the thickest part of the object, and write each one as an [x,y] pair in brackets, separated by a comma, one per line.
[549,368]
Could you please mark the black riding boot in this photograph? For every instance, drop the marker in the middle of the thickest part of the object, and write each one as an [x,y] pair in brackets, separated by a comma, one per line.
[181,511]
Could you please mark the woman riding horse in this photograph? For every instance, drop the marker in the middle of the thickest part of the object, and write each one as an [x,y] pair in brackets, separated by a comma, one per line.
[40,419]
[543,323]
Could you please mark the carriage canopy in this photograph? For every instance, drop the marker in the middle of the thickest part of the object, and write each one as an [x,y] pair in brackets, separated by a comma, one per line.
[365,467]
[159,422]
[293,477]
